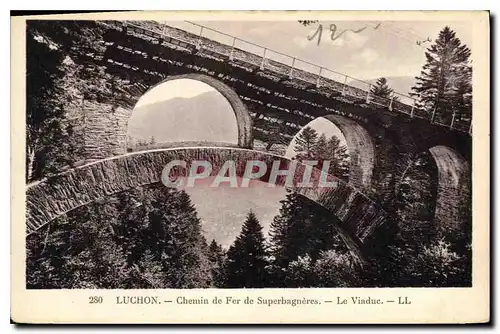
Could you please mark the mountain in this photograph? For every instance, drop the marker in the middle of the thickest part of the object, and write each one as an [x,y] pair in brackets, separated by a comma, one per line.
[205,117]
[400,84]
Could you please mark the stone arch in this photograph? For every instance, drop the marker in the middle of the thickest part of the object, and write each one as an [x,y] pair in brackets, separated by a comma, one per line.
[49,198]
[361,150]
[453,200]
[243,119]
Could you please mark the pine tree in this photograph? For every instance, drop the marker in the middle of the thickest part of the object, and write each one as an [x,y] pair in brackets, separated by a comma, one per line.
[323,232]
[320,150]
[247,257]
[382,89]
[461,97]
[331,150]
[302,228]
[305,143]
[216,256]
[131,224]
[310,146]
[174,236]
[80,251]
[132,231]
[445,78]
[289,230]
[339,158]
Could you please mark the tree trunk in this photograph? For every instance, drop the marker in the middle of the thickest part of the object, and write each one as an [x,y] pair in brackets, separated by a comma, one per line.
[30,162]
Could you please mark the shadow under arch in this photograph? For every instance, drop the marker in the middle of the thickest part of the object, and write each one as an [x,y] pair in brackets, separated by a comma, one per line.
[50,198]
[361,150]
[243,119]
[453,200]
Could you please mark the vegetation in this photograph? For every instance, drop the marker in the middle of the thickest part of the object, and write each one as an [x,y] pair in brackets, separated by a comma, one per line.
[61,81]
[292,254]
[150,237]
[382,89]
[247,257]
[409,250]
[45,122]
[311,146]
[444,87]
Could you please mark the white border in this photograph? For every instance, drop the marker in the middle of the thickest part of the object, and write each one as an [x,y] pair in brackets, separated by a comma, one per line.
[198,4]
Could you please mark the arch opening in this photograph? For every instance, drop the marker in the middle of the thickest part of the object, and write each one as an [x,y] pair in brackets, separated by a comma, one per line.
[359,147]
[321,140]
[415,192]
[189,110]
[453,200]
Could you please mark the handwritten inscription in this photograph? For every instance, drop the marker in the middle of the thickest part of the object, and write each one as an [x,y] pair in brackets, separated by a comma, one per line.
[334,35]
[333,30]
[424,41]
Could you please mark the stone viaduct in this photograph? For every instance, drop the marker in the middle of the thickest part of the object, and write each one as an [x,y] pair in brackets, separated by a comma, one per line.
[270,100]
[52,197]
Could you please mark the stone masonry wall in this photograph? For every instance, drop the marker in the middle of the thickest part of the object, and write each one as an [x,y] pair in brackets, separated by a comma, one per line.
[105,130]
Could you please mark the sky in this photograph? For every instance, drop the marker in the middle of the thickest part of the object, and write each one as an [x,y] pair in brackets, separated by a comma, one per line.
[389,50]
[184,88]
[196,112]
[223,210]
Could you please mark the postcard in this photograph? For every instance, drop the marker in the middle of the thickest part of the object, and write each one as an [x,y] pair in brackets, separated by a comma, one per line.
[251,167]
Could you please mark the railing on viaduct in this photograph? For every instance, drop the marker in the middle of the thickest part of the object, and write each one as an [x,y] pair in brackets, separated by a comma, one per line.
[238,50]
